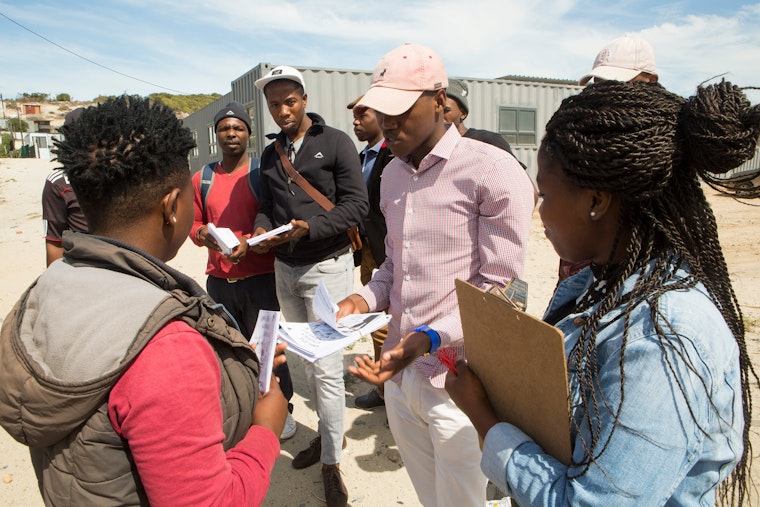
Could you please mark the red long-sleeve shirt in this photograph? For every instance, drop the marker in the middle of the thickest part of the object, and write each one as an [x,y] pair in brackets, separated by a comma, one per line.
[230,203]
[167,406]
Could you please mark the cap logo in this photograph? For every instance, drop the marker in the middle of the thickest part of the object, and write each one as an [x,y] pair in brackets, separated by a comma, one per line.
[277,72]
[382,73]
[604,55]
[438,85]
[230,113]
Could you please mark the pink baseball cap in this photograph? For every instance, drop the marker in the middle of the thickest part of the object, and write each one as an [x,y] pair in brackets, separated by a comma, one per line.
[622,60]
[401,76]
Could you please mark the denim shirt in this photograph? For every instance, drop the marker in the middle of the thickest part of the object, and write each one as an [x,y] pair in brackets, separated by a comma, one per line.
[657,454]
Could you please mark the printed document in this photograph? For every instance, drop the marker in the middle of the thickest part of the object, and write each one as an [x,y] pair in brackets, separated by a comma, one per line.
[314,340]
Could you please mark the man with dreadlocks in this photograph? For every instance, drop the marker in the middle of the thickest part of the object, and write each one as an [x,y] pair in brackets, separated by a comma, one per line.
[657,361]
[130,385]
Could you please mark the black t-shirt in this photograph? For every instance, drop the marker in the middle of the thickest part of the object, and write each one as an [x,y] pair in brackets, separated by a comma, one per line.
[60,208]
[492,138]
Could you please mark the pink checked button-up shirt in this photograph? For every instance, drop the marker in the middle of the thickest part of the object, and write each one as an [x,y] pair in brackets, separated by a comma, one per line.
[464,213]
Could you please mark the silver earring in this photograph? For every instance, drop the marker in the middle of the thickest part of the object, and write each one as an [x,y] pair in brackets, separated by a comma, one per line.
[593,214]
[174,220]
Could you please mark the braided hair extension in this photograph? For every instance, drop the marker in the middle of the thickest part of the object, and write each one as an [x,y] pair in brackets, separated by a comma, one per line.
[649,147]
[122,156]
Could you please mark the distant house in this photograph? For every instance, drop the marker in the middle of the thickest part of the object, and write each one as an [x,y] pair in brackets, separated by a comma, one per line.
[42,126]
[39,145]
[32,109]
[516,107]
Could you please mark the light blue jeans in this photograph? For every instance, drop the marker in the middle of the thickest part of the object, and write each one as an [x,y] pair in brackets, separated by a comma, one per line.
[296,286]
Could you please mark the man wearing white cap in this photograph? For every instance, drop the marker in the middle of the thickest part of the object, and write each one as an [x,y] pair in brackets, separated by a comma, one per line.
[454,208]
[316,249]
[627,58]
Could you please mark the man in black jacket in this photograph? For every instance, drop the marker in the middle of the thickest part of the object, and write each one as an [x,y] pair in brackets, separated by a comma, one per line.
[317,248]
[374,157]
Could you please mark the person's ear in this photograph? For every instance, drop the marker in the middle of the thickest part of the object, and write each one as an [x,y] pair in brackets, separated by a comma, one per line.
[169,206]
[305,99]
[601,202]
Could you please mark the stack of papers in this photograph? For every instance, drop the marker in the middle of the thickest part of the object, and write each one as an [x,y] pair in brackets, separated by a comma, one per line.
[265,340]
[274,232]
[315,340]
[224,237]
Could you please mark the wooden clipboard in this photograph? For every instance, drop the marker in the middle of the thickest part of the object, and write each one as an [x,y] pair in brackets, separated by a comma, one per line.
[521,362]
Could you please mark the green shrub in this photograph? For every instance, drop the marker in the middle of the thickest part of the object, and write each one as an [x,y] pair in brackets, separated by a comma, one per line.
[185,103]
[5,145]
[18,125]
[63,97]
[34,97]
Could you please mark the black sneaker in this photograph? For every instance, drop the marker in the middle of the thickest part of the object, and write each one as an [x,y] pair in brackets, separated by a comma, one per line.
[311,454]
[336,494]
[369,401]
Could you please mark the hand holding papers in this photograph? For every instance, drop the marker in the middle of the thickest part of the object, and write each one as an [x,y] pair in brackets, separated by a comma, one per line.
[314,340]
[224,237]
[265,338]
[274,232]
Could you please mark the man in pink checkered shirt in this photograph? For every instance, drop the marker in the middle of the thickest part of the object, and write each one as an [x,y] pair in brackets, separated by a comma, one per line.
[455,208]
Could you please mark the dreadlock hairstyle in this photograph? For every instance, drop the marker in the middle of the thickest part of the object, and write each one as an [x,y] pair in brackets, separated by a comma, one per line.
[649,147]
[122,156]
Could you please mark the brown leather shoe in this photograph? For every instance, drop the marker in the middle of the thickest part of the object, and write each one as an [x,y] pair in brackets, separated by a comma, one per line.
[311,454]
[336,494]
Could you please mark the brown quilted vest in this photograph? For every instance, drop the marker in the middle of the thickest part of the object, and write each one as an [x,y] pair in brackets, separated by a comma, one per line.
[60,357]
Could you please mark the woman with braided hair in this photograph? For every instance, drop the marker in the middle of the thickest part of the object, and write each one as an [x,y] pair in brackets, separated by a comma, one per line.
[657,362]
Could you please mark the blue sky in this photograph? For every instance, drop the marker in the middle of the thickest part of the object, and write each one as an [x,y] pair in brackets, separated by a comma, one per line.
[200,46]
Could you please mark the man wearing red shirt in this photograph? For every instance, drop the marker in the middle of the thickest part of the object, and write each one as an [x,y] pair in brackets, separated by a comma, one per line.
[242,281]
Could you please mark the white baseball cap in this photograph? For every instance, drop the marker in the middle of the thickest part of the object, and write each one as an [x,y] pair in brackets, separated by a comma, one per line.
[280,72]
[622,60]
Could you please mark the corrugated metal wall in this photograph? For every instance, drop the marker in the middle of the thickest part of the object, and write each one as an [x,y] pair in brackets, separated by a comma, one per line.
[487,96]
[329,90]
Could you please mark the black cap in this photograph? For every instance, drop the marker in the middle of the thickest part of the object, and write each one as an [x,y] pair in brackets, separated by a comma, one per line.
[233,110]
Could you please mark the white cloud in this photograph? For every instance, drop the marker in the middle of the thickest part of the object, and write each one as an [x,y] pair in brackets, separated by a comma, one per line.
[202,45]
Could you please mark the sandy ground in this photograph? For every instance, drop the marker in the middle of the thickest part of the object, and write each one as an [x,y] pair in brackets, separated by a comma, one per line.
[373,470]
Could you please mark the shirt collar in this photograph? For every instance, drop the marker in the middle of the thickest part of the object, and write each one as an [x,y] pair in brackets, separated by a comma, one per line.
[442,149]
[375,148]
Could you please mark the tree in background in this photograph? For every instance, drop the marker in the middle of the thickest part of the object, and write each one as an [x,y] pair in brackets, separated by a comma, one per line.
[5,145]
[63,97]
[185,103]
[17,125]
[34,96]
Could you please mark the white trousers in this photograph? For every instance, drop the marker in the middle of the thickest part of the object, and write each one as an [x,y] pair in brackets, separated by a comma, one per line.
[437,442]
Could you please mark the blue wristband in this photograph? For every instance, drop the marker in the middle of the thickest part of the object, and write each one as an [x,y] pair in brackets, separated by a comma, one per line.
[435,338]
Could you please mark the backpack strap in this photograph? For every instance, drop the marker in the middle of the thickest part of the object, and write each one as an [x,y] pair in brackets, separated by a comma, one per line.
[207,179]
[254,176]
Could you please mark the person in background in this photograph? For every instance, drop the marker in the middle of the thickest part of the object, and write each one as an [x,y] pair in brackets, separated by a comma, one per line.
[457,109]
[659,375]
[627,58]
[374,157]
[454,208]
[316,249]
[60,208]
[244,280]
[135,388]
